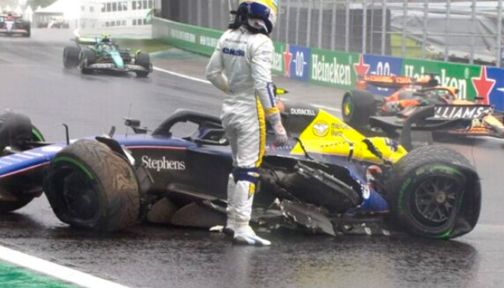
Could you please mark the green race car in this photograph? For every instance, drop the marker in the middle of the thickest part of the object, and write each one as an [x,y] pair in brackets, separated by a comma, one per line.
[101,54]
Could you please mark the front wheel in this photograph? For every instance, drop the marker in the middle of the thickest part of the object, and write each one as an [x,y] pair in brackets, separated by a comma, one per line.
[87,58]
[434,192]
[143,60]
[28,30]
[90,186]
[357,107]
[71,57]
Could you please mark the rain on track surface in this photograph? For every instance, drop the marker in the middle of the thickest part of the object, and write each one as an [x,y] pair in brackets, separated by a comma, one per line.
[33,81]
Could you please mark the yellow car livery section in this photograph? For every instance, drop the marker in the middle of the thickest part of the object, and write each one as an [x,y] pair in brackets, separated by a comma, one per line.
[328,135]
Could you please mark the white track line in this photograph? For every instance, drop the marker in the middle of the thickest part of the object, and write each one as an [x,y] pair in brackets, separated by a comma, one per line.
[181,75]
[54,270]
[208,82]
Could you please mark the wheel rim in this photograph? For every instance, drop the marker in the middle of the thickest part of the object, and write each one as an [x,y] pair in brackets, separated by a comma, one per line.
[79,194]
[347,107]
[435,199]
[83,63]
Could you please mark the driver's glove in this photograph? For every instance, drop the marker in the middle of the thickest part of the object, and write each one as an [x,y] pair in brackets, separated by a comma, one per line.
[280,134]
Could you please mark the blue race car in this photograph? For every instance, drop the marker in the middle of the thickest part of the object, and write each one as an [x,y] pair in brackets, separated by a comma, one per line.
[329,179]
[101,54]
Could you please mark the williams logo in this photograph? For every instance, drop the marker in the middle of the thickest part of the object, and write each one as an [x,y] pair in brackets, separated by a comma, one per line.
[162,164]
[462,111]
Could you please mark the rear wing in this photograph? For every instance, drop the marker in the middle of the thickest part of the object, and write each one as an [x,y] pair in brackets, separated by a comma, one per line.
[87,40]
[397,82]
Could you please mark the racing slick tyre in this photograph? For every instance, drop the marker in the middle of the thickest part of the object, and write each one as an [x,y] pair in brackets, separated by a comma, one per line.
[89,186]
[71,57]
[17,131]
[27,26]
[357,107]
[17,143]
[143,59]
[434,192]
[87,57]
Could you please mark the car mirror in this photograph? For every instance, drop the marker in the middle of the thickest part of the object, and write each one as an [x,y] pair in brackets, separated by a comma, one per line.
[220,142]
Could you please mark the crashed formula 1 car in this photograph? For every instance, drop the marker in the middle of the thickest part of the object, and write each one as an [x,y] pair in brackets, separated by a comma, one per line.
[11,24]
[331,179]
[101,54]
[362,109]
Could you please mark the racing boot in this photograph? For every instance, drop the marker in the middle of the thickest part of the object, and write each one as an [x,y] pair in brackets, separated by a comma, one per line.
[241,211]
[231,207]
[244,235]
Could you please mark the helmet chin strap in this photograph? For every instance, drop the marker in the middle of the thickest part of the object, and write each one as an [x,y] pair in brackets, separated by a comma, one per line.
[242,18]
[257,24]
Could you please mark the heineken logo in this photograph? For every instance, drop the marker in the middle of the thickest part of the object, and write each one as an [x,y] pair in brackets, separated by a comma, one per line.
[330,71]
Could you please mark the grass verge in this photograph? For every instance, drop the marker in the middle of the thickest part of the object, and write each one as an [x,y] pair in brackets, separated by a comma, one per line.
[146,45]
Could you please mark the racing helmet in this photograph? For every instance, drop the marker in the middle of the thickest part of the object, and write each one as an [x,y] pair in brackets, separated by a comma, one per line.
[106,38]
[265,10]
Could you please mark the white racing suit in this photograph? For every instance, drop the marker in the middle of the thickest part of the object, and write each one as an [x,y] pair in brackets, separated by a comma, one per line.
[241,67]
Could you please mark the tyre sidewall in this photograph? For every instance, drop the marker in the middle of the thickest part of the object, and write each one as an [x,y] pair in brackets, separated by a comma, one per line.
[113,181]
[57,202]
[405,211]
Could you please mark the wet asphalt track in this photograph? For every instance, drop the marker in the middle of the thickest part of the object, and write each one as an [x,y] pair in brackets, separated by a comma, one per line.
[33,81]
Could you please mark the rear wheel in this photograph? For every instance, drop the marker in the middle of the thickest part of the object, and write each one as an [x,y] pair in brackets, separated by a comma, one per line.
[90,186]
[71,57]
[19,198]
[426,190]
[357,107]
[143,59]
[87,58]
[28,29]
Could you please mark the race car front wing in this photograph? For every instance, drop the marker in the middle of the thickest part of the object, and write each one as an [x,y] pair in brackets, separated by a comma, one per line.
[112,67]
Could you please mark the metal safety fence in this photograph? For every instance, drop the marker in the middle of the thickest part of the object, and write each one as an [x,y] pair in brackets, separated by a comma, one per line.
[461,31]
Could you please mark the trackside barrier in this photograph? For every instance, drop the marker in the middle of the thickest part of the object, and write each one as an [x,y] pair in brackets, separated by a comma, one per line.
[341,69]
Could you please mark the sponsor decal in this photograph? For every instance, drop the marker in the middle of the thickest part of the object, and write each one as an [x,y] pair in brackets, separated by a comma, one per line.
[184,36]
[366,192]
[454,77]
[483,86]
[233,52]
[392,144]
[277,64]
[208,41]
[330,71]
[338,128]
[303,112]
[380,65]
[361,68]
[496,94]
[102,65]
[296,60]
[461,112]
[287,61]
[321,129]
[163,164]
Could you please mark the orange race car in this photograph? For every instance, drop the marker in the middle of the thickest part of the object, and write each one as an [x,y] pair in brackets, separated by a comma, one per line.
[361,108]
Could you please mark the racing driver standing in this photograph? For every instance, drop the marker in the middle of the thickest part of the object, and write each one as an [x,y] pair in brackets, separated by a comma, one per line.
[241,67]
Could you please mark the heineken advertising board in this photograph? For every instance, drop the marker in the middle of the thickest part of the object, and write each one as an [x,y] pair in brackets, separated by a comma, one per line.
[340,69]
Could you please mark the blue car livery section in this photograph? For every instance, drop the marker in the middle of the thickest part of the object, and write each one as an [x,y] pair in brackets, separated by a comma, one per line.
[28,160]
